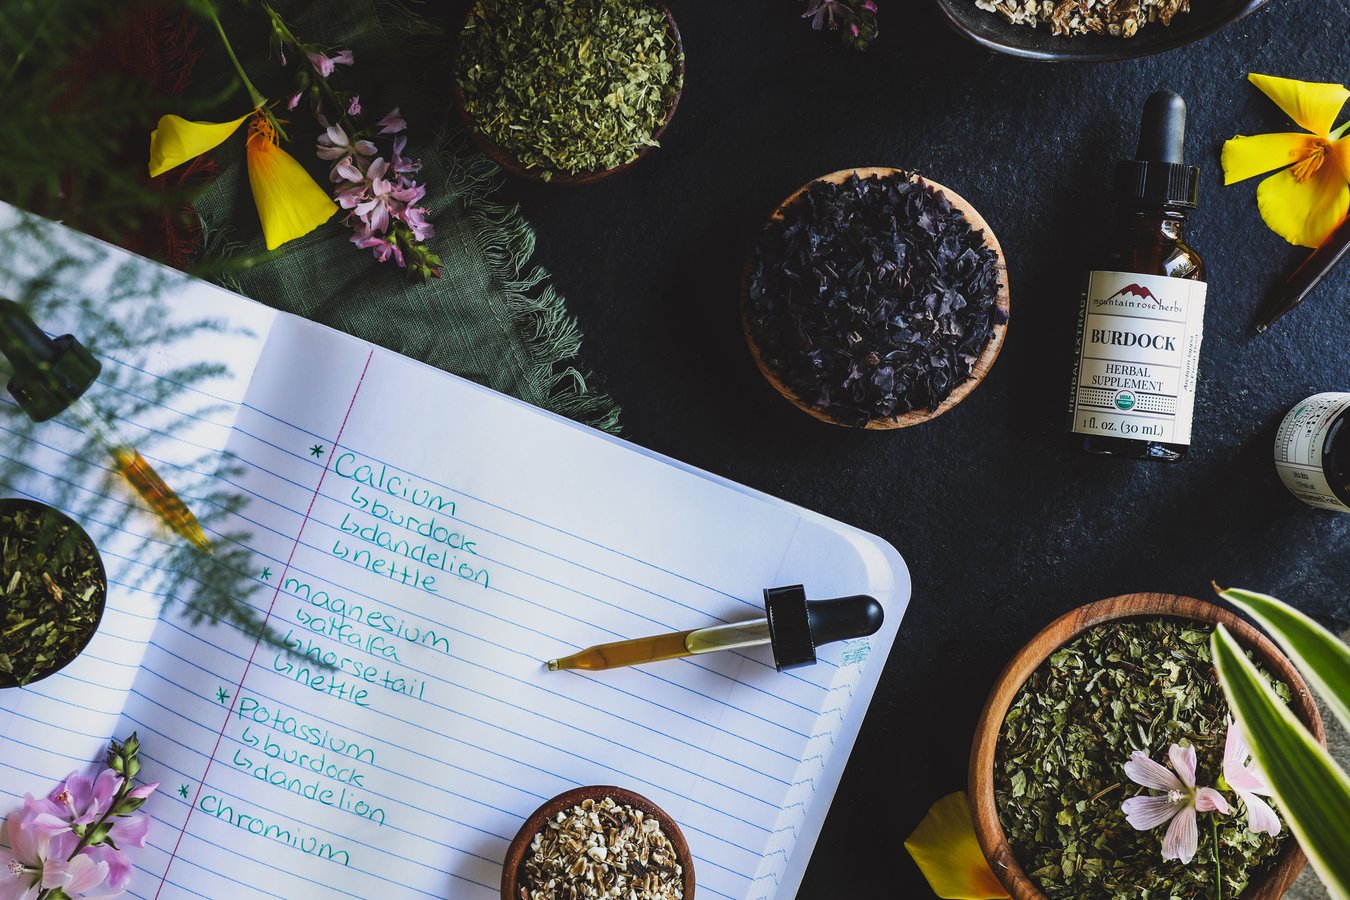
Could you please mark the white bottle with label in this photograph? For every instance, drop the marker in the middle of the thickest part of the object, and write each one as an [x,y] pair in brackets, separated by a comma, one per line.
[1312,451]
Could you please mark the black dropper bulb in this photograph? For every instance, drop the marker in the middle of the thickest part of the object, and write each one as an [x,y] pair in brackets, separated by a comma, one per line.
[1162,129]
[1158,174]
[49,374]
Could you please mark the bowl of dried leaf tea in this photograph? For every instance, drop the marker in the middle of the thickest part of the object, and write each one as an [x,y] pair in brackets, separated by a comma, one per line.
[595,842]
[1098,31]
[1095,689]
[568,92]
[53,588]
[875,298]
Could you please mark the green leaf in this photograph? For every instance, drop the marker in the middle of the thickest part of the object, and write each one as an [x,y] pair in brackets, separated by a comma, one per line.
[1321,656]
[1313,793]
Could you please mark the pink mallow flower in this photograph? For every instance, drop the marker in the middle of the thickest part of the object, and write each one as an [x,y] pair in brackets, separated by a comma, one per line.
[381,247]
[80,800]
[334,144]
[400,165]
[38,859]
[119,867]
[1178,805]
[387,198]
[325,65]
[392,123]
[1247,780]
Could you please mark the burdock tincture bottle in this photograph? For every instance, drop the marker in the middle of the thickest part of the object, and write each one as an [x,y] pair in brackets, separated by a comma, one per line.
[1143,306]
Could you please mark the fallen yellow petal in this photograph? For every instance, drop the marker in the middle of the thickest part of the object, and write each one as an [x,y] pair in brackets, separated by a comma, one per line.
[1244,157]
[1313,105]
[175,140]
[289,203]
[945,848]
[1304,212]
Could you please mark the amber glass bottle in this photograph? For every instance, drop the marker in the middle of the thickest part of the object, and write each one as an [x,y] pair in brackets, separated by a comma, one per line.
[1141,317]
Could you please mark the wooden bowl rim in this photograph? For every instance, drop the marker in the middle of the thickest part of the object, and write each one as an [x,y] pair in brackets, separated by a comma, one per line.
[984,812]
[983,363]
[8,503]
[502,157]
[1093,48]
[515,852]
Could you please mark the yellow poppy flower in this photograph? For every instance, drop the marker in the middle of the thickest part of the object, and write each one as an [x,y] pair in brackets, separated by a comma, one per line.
[176,140]
[1306,201]
[945,848]
[289,203]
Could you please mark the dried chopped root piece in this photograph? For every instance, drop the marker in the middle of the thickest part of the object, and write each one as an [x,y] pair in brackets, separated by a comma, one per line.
[1119,18]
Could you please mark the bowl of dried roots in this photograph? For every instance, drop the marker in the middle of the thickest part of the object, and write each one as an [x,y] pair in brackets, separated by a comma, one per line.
[598,841]
[1090,30]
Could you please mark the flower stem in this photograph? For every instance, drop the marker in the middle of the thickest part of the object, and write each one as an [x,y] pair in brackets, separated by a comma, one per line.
[208,9]
[1218,868]
[293,43]
[112,805]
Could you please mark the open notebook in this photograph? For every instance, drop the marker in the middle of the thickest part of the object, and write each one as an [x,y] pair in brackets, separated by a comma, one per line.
[432,541]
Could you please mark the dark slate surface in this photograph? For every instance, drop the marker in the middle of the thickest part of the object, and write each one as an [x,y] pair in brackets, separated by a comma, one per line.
[1004,525]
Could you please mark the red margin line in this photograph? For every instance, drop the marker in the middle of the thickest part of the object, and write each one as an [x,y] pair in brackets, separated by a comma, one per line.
[281,579]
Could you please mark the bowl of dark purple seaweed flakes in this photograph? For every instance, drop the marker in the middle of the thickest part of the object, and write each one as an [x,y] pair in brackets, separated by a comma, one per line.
[875,298]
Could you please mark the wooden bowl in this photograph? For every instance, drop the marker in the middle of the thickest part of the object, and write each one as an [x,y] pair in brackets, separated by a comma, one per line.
[990,30]
[989,830]
[515,853]
[502,157]
[982,365]
[33,506]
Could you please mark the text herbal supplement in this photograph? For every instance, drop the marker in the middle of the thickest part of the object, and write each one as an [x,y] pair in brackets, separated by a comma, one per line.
[1141,318]
[1312,451]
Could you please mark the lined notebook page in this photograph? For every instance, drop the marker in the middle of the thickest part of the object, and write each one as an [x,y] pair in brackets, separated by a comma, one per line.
[422,545]
[72,281]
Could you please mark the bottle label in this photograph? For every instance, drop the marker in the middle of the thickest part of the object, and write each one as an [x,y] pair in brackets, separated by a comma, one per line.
[1298,449]
[1138,357]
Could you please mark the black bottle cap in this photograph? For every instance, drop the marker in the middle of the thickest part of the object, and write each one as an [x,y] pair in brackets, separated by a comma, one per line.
[49,373]
[798,626]
[1158,174]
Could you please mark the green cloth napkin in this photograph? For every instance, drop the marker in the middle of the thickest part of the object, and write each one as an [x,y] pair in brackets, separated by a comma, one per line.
[492,316]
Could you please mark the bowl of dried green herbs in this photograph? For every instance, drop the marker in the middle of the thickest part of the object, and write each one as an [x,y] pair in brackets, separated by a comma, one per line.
[53,588]
[875,298]
[596,842]
[1106,764]
[568,92]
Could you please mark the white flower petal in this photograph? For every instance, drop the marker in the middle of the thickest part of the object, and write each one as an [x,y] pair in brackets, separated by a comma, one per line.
[1261,819]
[1144,771]
[1210,800]
[1183,760]
[1182,837]
[1235,749]
[1145,811]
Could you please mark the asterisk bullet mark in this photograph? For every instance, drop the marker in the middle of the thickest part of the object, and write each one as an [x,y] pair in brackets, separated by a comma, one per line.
[266,573]
[316,451]
[183,791]
[222,695]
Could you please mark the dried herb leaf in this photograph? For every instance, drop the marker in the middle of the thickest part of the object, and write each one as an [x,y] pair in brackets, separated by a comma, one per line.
[872,297]
[53,592]
[570,86]
[1058,772]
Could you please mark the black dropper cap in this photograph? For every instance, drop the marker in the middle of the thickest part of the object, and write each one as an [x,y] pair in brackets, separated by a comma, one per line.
[49,373]
[798,626]
[1158,174]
